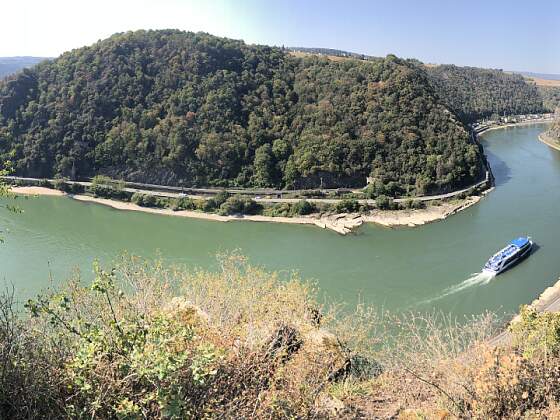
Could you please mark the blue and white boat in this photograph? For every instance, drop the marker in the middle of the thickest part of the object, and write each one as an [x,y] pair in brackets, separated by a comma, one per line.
[508,256]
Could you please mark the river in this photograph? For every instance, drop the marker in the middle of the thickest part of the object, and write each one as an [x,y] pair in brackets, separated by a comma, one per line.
[418,269]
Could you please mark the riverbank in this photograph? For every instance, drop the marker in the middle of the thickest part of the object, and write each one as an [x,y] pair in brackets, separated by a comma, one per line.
[550,142]
[548,301]
[516,124]
[341,223]
[36,191]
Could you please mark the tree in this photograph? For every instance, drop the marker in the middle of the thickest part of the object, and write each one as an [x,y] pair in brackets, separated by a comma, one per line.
[5,192]
[264,166]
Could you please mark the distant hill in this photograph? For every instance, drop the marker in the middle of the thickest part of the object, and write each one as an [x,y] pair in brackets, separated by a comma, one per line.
[544,76]
[180,108]
[330,52]
[10,65]
[475,93]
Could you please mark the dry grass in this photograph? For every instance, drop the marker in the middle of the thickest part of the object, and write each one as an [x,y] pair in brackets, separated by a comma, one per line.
[301,54]
[544,82]
[266,347]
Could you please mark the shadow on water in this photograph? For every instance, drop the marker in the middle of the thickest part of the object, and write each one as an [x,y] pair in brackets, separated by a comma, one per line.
[500,169]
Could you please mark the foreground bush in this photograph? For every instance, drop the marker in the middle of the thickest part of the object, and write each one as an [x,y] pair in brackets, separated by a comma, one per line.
[146,341]
[240,342]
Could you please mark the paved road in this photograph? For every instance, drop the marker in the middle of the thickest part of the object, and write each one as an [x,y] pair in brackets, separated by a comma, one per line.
[175,192]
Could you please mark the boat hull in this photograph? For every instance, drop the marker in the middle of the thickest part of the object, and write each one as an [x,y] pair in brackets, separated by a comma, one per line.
[518,258]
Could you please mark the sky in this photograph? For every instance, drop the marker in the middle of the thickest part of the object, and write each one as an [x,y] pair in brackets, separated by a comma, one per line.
[511,35]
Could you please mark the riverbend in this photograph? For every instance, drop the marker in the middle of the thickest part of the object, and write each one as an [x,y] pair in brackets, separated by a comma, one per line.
[426,268]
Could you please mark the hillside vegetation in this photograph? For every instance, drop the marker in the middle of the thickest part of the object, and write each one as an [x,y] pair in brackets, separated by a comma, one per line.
[551,97]
[554,131]
[475,93]
[144,341]
[192,109]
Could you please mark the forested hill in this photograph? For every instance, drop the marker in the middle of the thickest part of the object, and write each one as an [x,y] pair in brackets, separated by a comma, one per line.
[193,109]
[554,130]
[475,93]
[10,65]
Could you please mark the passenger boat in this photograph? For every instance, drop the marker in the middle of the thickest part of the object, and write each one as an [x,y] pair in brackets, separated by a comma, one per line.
[505,258]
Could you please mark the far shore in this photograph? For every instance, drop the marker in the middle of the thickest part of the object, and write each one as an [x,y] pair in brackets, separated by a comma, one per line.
[340,223]
[516,124]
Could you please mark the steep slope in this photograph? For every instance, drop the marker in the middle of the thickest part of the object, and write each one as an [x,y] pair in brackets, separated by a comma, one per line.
[475,93]
[554,131]
[551,97]
[193,109]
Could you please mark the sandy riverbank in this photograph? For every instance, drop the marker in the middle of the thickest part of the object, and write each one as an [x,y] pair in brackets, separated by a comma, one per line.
[340,223]
[549,141]
[411,218]
[36,191]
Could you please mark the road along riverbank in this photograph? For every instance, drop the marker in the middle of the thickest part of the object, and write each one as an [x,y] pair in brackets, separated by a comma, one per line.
[399,269]
[340,223]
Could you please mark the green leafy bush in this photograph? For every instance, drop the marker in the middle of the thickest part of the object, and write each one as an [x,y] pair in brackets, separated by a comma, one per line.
[239,205]
[183,203]
[103,186]
[303,207]
[61,185]
[214,203]
[347,206]
[45,183]
[123,364]
[278,210]
[537,333]
[148,200]
[383,202]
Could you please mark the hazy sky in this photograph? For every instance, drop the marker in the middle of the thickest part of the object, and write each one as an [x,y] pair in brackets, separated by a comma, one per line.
[512,34]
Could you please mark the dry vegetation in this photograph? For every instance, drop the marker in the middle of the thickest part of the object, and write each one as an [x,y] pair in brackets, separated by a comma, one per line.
[545,82]
[302,54]
[147,341]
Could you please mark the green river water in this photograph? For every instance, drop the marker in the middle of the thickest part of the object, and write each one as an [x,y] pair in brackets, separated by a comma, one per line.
[415,269]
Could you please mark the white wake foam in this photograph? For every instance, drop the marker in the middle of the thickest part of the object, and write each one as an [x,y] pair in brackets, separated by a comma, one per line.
[474,280]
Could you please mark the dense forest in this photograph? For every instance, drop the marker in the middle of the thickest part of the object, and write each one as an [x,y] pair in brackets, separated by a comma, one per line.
[554,131]
[10,65]
[551,97]
[475,93]
[193,109]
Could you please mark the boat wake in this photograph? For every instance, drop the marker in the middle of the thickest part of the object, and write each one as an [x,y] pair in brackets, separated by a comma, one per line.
[475,279]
